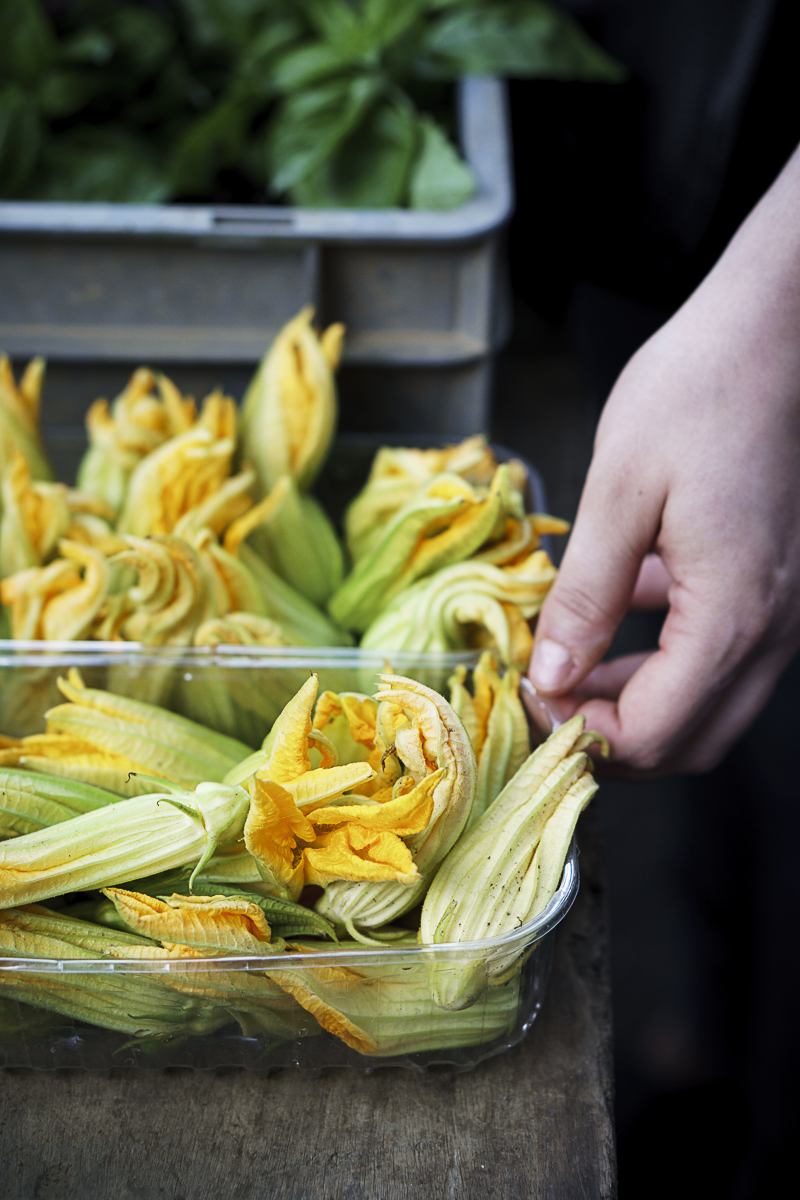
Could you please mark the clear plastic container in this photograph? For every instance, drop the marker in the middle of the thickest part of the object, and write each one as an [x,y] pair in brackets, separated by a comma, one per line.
[234,1011]
[242,1014]
[236,690]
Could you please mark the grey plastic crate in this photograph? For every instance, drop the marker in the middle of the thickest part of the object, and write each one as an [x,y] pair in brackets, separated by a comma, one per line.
[99,288]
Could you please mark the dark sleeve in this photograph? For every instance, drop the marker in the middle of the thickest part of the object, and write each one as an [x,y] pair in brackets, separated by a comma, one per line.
[696,61]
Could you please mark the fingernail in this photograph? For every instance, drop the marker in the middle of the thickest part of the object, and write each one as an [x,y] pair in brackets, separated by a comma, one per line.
[550,666]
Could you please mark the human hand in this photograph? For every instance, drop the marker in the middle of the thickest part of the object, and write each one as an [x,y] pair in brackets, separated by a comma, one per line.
[697,458]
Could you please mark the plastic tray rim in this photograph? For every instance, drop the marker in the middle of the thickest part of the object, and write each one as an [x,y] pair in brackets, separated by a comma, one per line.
[398,956]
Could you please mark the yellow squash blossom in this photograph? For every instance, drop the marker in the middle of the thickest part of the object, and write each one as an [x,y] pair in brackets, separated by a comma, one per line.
[498,728]
[289,409]
[58,602]
[447,520]
[211,923]
[520,539]
[35,516]
[300,830]
[175,478]
[350,721]
[169,598]
[102,738]
[19,417]
[132,838]
[242,629]
[358,841]
[432,745]
[148,411]
[503,873]
[205,924]
[144,1006]
[398,472]
[466,606]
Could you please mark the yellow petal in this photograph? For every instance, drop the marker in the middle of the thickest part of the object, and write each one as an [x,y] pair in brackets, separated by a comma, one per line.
[332,343]
[327,783]
[486,685]
[257,515]
[288,740]
[359,855]
[328,1017]
[273,828]
[216,922]
[69,615]
[543,523]
[405,815]
[328,708]
[520,638]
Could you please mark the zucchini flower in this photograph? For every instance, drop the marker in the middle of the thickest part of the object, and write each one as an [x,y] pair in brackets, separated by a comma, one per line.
[302,620]
[497,726]
[31,801]
[35,517]
[398,472]
[349,721]
[122,434]
[137,837]
[506,869]
[282,918]
[298,541]
[445,522]
[468,604]
[431,743]
[381,1014]
[144,1006]
[241,629]
[177,477]
[289,409]
[102,738]
[234,925]
[302,829]
[19,417]
[214,924]
[520,539]
[170,596]
[58,602]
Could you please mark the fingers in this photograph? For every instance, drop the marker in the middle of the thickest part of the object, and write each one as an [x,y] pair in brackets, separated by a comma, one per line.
[616,525]
[608,679]
[681,707]
[652,586]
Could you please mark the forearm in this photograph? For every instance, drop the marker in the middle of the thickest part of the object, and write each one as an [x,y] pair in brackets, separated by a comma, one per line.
[697,457]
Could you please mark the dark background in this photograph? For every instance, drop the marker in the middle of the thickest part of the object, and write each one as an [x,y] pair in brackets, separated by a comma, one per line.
[701,872]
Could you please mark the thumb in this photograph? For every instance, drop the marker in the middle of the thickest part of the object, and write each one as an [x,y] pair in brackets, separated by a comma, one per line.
[616,526]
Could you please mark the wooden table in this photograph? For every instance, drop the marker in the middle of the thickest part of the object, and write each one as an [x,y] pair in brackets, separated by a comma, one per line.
[533,1122]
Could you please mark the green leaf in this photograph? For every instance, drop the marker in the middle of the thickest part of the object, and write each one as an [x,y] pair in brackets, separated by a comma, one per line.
[441,178]
[98,164]
[371,168]
[311,64]
[230,24]
[389,20]
[20,138]
[27,45]
[65,92]
[217,139]
[142,39]
[311,124]
[524,38]
[334,20]
[263,54]
[89,46]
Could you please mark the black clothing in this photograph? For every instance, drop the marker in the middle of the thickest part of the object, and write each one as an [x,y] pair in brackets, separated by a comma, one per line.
[638,187]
